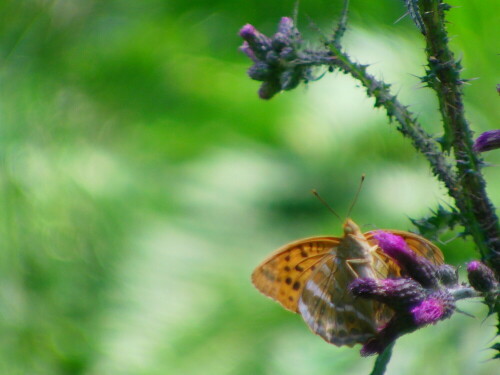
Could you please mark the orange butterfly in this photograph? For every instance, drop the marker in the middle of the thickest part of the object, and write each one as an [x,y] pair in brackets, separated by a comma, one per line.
[311,277]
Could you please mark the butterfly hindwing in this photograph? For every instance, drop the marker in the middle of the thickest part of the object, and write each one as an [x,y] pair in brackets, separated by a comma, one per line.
[283,274]
[331,311]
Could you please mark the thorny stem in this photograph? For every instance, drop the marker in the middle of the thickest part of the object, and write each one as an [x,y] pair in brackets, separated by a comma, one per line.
[478,214]
[341,26]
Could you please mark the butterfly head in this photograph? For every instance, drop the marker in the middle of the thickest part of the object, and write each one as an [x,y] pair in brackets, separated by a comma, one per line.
[351,228]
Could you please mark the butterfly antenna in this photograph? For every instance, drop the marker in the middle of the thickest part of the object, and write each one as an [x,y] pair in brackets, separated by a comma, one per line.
[316,194]
[356,196]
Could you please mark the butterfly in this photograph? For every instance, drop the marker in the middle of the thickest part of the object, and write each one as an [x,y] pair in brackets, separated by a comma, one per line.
[311,277]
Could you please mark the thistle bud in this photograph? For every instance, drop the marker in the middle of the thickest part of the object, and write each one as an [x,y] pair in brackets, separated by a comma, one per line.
[399,294]
[417,267]
[268,89]
[487,141]
[481,277]
[256,41]
[447,275]
[260,71]
[287,27]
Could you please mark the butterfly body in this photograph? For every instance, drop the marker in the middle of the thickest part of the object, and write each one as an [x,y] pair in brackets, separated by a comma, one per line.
[311,277]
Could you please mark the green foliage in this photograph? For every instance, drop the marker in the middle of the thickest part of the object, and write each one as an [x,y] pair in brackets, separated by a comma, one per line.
[439,222]
[141,181]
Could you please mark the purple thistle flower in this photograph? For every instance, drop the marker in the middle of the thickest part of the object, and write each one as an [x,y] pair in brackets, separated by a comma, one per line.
[417,267]
[438,306]
[487,141]
[481,277]
[399,294]
[417,300]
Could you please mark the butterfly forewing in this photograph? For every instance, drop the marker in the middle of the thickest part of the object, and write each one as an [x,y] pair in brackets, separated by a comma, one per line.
[283,274]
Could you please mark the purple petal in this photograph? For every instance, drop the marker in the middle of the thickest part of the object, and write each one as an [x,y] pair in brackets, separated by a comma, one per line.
[429,311]
[438,306]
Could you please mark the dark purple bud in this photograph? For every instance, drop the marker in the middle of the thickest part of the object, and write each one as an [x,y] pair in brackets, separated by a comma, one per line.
[481,277]
[498,88]
[288,54]
[286,27]
[417,267]
[487,141]
[400,294]
[245,48]
[280,41]
[260,71]
[447,275]
[272,58]
[287,34]
[290,79]
[268,89]
[257,42]
[438,306]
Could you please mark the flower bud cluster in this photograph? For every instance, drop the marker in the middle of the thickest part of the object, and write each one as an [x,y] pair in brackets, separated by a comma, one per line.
[276,60]
[418,299]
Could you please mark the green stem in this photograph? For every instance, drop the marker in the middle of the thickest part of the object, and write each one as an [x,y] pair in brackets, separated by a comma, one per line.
[479,217]
[341,26]
[382,361]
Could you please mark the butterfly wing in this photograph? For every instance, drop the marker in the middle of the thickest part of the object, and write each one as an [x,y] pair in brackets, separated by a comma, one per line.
[331,311]
[283,274]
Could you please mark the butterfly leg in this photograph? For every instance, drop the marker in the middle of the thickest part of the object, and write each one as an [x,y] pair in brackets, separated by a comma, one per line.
[360,261]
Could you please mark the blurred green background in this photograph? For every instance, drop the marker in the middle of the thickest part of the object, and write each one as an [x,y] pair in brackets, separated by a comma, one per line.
[142,180]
